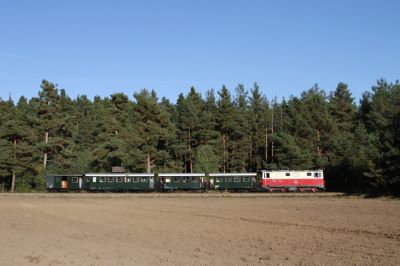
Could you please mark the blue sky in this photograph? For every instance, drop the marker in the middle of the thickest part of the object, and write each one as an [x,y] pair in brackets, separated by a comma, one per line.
[102,47]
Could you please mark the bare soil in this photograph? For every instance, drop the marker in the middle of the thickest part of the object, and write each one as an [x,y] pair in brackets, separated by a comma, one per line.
[170,229]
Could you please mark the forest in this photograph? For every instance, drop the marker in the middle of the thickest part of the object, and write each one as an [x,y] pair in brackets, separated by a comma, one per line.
[357,144]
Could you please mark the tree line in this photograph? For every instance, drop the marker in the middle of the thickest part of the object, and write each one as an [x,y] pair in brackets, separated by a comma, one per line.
[357,144]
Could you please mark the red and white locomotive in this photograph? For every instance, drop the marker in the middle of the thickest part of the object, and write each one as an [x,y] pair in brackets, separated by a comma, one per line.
[292,180]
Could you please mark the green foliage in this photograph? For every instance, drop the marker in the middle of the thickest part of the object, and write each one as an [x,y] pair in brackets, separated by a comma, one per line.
[357,145]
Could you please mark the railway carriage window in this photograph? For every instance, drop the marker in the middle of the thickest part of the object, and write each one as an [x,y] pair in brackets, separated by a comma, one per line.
[176,179]
[167,180]
[308,174]
[74,180]
[145,179]
[102,179]
[237,179]
[110,179]
[287,174]
[185,179]
[135,179]
[94,179]
[228,179]
[218,179]
[127,179]
[194,179]
[87,179]
[119,179]
[246,179]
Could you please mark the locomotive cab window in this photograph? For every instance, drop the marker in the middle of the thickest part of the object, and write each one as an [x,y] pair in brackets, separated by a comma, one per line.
[308,174]
[287,174]
[228,179]
[236,179]
[268,175]
[102,179]
[317,175]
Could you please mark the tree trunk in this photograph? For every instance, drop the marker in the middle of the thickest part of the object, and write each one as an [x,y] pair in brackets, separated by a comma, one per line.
[190,153]
[46,140]
[13,171]
[224,147]
[148,164]
[272,133]
[266,143]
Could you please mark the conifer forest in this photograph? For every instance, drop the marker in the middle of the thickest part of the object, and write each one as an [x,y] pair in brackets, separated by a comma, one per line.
[356,143]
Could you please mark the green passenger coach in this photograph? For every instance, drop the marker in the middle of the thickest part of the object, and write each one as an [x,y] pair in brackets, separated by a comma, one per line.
[118,182]
[233,181]
[181,181]
[65,182]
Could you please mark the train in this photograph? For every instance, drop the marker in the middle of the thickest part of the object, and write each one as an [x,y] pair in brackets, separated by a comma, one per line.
[263,181]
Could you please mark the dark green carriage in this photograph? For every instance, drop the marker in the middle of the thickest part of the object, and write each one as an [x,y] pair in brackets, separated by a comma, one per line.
[139,182]
[119,182]
[233,181]
[64,182]
[179,181]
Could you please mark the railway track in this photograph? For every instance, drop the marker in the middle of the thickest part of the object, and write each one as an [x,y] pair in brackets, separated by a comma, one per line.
[171,195]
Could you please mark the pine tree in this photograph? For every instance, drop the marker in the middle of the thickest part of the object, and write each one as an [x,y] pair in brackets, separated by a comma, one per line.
[154,126]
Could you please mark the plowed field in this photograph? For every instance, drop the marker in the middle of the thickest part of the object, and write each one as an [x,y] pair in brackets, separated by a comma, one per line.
[137,229]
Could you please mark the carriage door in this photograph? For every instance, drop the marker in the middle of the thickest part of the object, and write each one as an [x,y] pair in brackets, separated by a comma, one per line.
[151,182]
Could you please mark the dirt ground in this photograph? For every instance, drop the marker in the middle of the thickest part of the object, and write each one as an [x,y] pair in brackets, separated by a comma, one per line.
[151,229]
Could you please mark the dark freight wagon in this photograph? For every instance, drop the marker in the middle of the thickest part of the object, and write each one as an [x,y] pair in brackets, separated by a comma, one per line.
[233,181]
[64,182]
[178,181]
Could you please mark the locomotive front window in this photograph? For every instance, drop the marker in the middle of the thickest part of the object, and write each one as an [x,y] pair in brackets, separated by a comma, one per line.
[237,179]
[228,179]
[102,179]
[110,179]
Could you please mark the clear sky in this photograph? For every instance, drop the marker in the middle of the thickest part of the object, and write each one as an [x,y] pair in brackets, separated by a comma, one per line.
[102,47]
